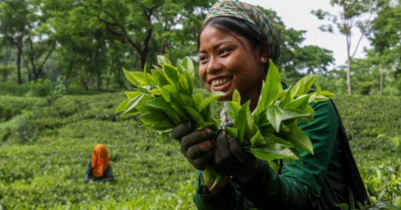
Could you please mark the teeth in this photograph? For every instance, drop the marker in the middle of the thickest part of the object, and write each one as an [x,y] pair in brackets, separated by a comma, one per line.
[219,82]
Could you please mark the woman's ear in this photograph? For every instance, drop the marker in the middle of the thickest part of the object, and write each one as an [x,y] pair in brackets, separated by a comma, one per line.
[264,53]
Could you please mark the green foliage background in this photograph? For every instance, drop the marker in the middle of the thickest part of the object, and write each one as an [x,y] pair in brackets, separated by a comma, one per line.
[46,142]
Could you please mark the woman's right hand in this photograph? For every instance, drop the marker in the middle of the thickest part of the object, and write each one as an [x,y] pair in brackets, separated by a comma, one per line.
[196,146]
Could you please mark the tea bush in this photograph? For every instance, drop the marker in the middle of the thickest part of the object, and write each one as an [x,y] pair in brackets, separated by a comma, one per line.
[44,169]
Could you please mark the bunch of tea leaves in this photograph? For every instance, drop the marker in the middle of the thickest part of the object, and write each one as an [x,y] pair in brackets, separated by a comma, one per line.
[271,131]
[165,99]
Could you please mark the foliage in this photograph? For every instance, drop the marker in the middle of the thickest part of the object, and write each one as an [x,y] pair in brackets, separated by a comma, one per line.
[295,58]
[271,131]
[41,88]
[351,14]
[47,172]
[8,88]
[159,98]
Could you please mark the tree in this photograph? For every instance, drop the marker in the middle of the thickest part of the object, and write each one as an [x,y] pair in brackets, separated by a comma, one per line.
[385,38]
[14,23]
[294,58]
[39,44]
[351,14]
[135,22]
[81,38]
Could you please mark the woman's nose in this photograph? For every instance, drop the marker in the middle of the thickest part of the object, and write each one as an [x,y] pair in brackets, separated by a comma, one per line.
[214,66]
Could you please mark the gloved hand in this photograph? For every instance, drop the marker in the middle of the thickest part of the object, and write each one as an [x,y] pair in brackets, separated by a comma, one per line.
[196,146]
[231,159]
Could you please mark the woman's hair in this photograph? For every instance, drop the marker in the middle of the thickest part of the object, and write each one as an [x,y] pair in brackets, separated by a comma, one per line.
[238,27]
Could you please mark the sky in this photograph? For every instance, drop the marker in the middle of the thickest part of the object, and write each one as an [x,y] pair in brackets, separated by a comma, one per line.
[297,14]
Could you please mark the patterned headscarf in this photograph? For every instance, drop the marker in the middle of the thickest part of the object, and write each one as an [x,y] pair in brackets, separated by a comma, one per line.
[253,17]
[100,160]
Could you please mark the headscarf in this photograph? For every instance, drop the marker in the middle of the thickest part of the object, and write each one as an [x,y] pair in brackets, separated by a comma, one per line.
[253,17]
[100,160]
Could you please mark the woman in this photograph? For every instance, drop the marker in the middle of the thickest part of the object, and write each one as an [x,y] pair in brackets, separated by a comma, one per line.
[235,43]
[98,168]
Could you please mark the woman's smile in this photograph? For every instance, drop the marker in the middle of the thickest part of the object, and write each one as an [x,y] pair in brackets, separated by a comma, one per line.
[221,83]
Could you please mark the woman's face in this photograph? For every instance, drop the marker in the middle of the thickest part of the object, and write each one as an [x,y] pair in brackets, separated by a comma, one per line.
[229,62]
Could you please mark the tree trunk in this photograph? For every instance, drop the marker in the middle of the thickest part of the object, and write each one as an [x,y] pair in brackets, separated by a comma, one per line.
[5,73]
[19,63]
[381,82]
[68,76]
[349,76]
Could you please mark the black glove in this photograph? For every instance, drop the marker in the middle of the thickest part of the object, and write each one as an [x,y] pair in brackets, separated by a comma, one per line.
[231,159]
[196,146]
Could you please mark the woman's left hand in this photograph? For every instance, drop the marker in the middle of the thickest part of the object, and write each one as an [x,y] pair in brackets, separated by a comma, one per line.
[231,159]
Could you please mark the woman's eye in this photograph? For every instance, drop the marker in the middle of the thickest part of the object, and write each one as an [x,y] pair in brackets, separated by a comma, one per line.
[202,58]
[224,51]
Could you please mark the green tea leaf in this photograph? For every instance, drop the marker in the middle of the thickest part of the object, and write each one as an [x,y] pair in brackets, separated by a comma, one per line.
[232,131]
[161,59]
[290,113]
[270,138]
[190,81]
[159,103]
[273,152]
[236,96]
[274,116]
[240,121]
[166,90]
[298,138]
[271,87]
[157,92]
[299,103]
[308,82]
[312,97]
[145,75]
[152,118]
[183,83]
[274,164]
[209,100]
[130,77]
[326,93]
[194,115]
[197,99]
[250,127]
[189,66]
[134,102]
[171,74]
[163,125]
[159,77]
[139,77]
[299,89]
[131,95]
[211,175]
[256,138]
[318,89]
[320,98]
[204,125]
[183,100]
[122,105]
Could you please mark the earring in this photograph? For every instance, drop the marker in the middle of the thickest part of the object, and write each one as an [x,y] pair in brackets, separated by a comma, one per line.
[263,59]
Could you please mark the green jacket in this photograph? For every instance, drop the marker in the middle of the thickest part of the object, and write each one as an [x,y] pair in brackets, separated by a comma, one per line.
[297,186]
[108,174]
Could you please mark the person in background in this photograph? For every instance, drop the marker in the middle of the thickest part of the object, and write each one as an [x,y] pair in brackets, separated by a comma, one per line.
[98,167]
[235,44]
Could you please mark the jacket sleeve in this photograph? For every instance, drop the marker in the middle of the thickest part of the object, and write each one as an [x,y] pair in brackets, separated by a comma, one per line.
[206,200]
[88,171]
[299,185]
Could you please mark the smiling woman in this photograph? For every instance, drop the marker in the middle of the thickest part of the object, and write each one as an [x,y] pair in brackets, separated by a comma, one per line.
[235,43]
